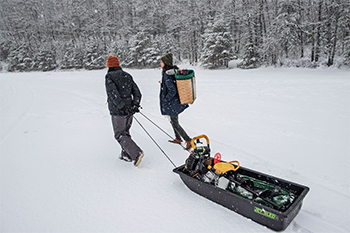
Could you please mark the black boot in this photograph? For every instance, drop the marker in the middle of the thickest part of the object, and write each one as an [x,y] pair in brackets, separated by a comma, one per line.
[124,156]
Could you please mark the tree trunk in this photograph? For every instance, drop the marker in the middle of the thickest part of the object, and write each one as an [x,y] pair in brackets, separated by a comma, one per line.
[318,33]
[313,43]
[334,44]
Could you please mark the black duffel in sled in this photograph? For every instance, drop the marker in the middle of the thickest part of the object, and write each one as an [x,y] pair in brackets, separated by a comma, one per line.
[268,200]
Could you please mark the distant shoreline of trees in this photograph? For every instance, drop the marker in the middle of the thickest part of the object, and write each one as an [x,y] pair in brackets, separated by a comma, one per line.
[43,35]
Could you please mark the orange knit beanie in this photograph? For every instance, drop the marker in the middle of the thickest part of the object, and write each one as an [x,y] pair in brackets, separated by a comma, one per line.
[113,61]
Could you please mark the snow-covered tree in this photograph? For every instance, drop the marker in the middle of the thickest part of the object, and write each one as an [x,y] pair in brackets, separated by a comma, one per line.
[44,61]
[20,59]
[72,57]
[139,31]
[251,58]
[217,49]
[93,57]
[138,49]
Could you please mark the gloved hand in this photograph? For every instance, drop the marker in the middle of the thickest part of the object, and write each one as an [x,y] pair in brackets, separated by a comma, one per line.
[128,110]
[135,108]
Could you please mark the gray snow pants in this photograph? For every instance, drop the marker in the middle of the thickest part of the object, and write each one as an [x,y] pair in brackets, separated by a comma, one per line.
[121,127]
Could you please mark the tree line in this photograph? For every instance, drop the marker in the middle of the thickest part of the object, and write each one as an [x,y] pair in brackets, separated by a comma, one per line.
[73,34]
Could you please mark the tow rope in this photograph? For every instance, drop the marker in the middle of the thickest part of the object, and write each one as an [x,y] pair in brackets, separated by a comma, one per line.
[149,135]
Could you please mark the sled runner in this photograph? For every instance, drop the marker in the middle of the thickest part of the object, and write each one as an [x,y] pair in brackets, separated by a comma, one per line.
[268,200]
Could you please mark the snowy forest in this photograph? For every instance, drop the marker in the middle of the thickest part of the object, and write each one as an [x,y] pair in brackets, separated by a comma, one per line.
[43,35]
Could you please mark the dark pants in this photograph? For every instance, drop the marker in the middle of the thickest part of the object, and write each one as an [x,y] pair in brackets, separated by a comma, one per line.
[121,127]
[178,130]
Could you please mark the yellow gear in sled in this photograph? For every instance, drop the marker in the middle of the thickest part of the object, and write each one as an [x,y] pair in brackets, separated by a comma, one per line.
[223,167]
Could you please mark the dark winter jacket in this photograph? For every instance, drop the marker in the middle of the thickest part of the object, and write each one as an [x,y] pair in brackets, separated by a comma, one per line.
[122,91]
[169,96]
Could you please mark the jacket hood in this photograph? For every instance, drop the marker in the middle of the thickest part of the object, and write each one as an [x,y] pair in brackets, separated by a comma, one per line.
[171,71]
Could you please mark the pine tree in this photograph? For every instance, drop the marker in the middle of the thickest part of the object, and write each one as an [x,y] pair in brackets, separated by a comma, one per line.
[93,57]
[152,55]
[20,59]
[44,61]
[72,57]
[217,44]
[251,58]
[138,48]
[271,32]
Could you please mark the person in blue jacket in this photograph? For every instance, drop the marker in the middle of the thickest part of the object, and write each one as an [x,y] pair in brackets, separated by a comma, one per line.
[170,101]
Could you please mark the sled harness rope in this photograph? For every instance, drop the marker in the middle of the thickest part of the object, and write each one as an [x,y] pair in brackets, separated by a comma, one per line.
[155,125]
[159,127]
[153,138]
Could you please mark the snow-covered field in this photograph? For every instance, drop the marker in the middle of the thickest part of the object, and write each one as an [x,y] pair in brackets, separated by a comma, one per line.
[60,170]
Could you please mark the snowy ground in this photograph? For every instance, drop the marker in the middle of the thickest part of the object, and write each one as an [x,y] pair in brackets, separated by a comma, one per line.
[60,170]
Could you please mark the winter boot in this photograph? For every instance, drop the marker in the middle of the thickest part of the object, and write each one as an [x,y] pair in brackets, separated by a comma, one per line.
[124,156]
[138,159]
[176,141]
[188,145]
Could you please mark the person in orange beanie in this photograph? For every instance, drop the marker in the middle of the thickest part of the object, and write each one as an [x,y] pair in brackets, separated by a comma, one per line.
[123,97]
[113,61]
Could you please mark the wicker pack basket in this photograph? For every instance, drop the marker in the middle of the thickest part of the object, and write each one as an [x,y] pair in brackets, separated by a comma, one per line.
[186,86]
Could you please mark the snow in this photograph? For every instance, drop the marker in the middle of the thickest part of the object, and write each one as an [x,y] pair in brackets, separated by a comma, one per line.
[60,170]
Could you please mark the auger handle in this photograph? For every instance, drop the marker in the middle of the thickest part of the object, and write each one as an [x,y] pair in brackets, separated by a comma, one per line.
[235,168]
[199,137]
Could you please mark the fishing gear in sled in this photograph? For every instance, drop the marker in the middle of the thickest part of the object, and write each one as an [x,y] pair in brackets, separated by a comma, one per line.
[199,164]
[268,200]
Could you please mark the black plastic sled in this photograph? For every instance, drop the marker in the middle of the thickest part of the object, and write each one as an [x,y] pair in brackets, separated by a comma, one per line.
[267,200]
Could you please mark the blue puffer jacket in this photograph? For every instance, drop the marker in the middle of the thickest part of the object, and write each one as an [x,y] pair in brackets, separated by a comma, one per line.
[169,96]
